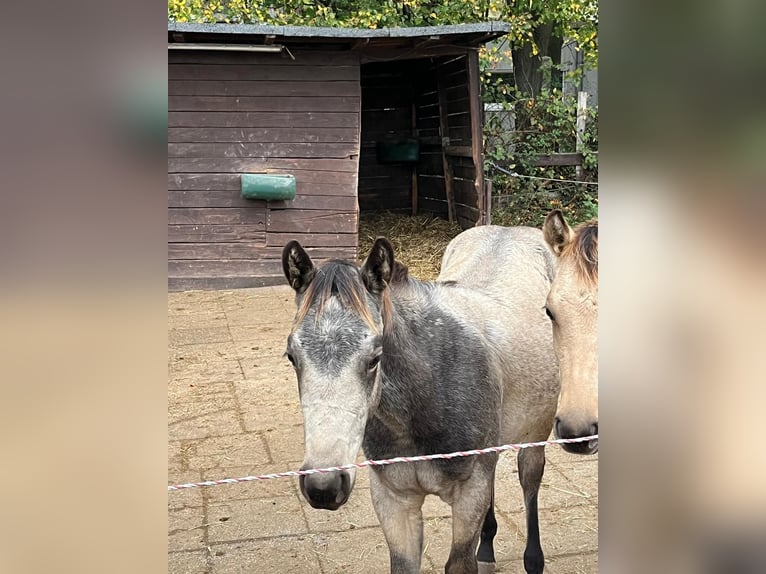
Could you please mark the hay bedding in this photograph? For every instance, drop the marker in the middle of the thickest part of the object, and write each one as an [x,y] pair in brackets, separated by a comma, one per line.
[419,240]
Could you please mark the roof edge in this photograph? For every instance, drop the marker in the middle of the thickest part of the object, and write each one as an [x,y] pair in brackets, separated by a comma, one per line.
[493,27]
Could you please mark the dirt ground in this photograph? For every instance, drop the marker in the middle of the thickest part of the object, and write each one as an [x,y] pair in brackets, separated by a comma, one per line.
[233,411]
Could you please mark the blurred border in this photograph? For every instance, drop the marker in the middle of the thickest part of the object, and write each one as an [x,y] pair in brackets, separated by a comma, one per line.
[683,138]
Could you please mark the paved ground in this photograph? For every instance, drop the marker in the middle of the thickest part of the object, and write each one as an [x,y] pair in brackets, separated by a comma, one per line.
[233,411]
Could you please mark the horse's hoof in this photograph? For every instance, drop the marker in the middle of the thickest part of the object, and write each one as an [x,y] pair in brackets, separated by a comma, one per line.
[486,568]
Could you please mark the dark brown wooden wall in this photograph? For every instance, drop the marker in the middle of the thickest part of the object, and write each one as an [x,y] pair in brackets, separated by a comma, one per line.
[429,98]
[387,115]
[431,190]
[233,113]
[459,126]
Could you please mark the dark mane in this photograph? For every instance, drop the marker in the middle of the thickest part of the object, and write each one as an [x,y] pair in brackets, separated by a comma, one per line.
[341,279]
[583,249]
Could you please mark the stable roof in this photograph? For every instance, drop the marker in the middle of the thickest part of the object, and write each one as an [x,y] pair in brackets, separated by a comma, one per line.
[361,39]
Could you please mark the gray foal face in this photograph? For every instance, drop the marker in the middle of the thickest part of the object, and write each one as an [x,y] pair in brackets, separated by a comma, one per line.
[336,359]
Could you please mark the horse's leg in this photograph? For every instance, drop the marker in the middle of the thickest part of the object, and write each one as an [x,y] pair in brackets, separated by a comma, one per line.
[401,519]
[470,503]
[486,554]
[531,466]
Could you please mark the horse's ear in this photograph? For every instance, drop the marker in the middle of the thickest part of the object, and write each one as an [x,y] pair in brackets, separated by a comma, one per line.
[298,267]
[377,268]
[557,231]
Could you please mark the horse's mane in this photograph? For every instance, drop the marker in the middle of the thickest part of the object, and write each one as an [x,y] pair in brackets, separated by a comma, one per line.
[341,279]
[583,250]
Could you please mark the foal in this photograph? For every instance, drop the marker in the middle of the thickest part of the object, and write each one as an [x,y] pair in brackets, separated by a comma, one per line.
[405,368]
[572,307]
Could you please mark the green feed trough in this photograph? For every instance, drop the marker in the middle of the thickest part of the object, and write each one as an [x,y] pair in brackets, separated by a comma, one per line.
[268,186]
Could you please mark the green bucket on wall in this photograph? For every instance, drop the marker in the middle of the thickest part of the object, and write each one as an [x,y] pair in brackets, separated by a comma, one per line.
[406,151]
[268,186]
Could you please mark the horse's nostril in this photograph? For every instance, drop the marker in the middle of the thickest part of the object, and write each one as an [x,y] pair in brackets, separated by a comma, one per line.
[556,427]
[329,491]
[594,429]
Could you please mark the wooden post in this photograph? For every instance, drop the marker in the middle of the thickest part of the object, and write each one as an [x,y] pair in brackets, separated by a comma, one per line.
[444,133]
[582,107]
[414,165]
[486,217]
[477,137]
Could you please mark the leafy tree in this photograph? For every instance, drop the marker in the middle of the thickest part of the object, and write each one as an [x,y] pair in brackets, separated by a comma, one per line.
[537,26]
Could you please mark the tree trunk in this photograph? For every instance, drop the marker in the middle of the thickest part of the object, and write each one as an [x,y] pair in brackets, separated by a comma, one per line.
[526,66]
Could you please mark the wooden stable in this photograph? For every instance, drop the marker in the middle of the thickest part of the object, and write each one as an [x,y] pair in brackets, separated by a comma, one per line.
[324,105]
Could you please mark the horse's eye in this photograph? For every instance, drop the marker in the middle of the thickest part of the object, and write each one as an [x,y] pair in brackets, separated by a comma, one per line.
[550,315]
[374,362]
[290,358]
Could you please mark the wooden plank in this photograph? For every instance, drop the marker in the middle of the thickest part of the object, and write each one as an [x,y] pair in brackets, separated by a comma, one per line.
[234,199]
[435,206]
[476,127]
[256,165]
[463,172]
[217,216]
[263,119]
[444,130]
[460,136]
[217,251]
[384,203]
[262,104]
[302,58]
[369,169]
[313,73]
[320,182]
[313,239]
[431,162]
[318,202]
[214,233]
[559,159]
[460,119]
[176,284]
[257,87]
[311,221]
[178,198]
[370,184]
[227,268]
[462,151]
[465,192]
[263,150]
[431,187]
[385,97]
[460,104]
[452,65]
[263,135]
[486,214]
[397,119]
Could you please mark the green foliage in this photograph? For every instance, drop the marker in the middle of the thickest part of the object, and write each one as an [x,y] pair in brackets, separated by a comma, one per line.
[574,19]
[549,127]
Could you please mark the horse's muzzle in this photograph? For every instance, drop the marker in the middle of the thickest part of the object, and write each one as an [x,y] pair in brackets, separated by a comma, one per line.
[566,429]
[327,491]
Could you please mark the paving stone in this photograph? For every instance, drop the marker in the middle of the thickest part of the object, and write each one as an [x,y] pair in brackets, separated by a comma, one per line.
[356,513]
[248,490]
[259,518]
[192,497]
[198,335]
[287,555]
[186,530]
[575,564]
[225,451]
[188,562]
[216,415]
[203,364]
[359,551]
